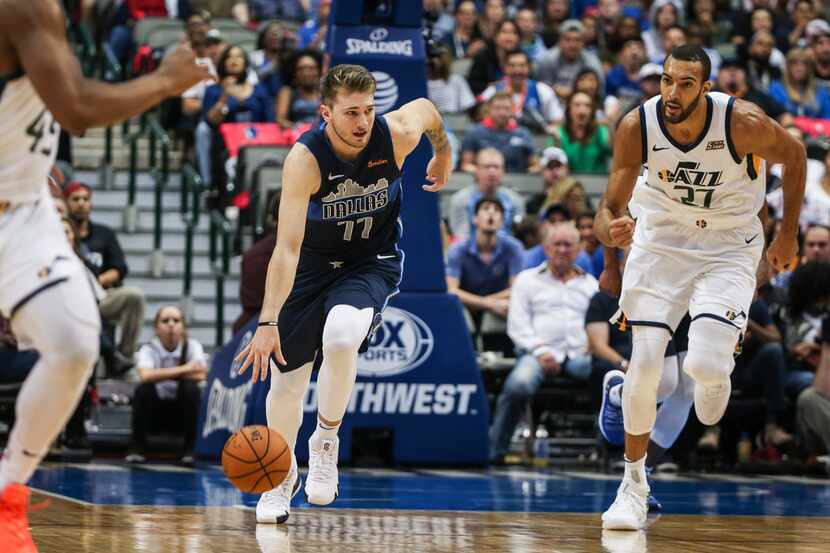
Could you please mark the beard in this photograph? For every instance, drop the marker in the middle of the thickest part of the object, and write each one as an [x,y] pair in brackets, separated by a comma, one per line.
[347,137]
[683,115]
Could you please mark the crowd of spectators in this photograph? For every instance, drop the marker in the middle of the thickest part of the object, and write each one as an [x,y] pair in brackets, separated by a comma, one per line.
[537,87]
[549,82]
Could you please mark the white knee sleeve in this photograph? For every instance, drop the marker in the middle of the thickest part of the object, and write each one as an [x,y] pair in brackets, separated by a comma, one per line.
[668,380]
[346,328]
[643,378]
[711,355]
[63,325]
[284,403]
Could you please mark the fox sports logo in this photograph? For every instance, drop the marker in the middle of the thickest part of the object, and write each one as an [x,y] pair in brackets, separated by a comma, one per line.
[386,92]
[400,344]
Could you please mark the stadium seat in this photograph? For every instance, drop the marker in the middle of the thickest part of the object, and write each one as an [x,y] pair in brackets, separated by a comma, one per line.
[144,27]
[525,184]
[457,123]
[164,37]
[225,24]
[595,185]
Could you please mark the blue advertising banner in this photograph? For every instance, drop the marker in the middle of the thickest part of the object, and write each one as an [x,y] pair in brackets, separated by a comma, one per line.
[419,379]
[227,396]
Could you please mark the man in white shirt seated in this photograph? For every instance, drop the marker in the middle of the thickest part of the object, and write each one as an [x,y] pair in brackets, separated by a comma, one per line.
[170,369]
[546,322]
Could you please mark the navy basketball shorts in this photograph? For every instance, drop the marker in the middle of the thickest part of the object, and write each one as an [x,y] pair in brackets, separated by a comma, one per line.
[322,284]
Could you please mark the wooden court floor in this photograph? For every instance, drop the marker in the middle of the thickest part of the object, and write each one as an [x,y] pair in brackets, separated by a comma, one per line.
[68,526]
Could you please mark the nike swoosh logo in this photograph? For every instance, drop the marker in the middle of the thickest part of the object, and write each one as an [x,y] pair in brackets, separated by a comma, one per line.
[751,239]
[387,256]
[332,177]
[656,149]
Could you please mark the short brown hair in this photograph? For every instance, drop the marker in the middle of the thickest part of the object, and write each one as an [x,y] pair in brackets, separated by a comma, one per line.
[352,78]
[501,95]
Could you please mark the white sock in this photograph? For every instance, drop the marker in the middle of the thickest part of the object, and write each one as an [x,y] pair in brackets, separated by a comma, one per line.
[635,471]
[615,395]
[325,432]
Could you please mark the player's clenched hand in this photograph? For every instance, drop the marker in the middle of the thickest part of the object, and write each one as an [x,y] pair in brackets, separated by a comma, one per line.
[783,253]
[258,352]
[180,70]
[438,172]
[621,231]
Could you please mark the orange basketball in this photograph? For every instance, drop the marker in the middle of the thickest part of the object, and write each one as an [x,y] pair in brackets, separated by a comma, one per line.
[256,459]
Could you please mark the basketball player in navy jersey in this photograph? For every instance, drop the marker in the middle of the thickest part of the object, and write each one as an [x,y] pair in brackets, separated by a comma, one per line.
[696,244]
[335,265]
[44,289]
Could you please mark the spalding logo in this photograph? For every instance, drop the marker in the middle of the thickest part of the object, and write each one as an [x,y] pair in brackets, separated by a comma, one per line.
[401,343]
[378,34]
[386,92]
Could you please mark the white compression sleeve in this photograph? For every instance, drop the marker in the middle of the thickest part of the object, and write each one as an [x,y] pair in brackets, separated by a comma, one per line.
[346,328]
[643,378]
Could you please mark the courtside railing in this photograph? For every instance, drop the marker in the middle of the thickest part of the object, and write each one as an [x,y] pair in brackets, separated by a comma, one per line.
[159,167]
[191,210]
[221,232]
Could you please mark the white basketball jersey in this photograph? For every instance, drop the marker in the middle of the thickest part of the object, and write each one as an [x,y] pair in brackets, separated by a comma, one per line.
[703,184]
[28,140]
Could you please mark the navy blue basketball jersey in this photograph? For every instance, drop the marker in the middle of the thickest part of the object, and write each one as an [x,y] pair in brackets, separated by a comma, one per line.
[355,212]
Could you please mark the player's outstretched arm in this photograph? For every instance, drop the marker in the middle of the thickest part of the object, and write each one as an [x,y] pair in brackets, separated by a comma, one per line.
[755,133]
[35,29]
[611,225]
[410,122]
[300,179]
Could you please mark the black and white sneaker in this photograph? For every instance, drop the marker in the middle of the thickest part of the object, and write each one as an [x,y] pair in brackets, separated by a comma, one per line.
[274,507]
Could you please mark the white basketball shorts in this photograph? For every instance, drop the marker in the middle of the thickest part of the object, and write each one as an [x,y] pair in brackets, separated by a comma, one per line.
[34,252]
[674,268]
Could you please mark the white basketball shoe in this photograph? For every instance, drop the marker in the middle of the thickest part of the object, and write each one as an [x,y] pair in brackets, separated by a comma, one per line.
[274,507]
[711,401]
[629,510]
[321,484]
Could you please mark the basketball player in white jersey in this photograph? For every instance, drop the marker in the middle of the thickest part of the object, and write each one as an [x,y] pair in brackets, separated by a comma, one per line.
[695,246]
[43,286]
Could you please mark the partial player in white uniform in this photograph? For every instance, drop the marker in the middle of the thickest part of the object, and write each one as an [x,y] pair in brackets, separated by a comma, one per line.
[44,289]
[696,244]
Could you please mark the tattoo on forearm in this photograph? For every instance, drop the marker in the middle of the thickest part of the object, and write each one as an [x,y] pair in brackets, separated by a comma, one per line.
[438,138]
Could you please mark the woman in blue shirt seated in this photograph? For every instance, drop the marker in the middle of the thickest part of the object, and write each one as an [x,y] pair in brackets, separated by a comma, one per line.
[798,91]
[299,101]
[234,99]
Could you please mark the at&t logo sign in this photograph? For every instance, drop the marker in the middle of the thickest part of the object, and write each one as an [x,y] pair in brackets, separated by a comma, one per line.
[401,343]
[386,92]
